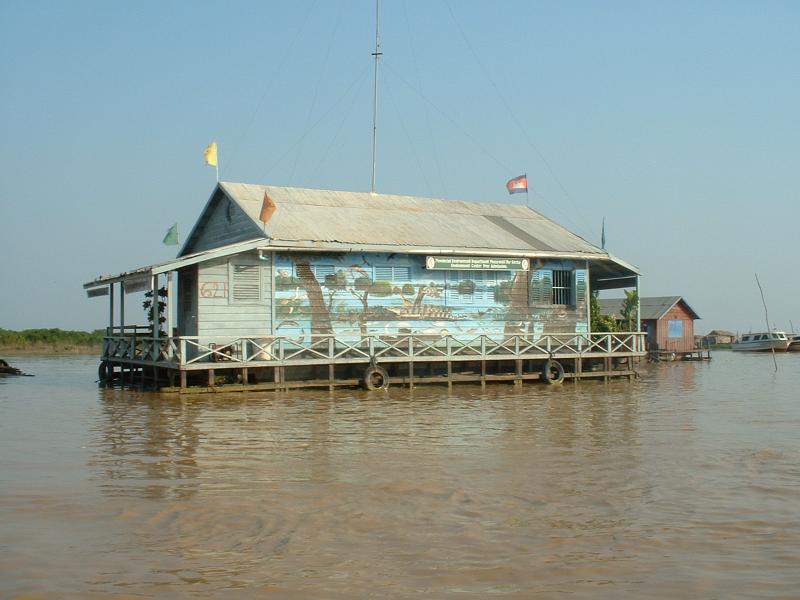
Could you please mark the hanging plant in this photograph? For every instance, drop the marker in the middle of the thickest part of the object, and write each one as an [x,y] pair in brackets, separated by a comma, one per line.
[147,305]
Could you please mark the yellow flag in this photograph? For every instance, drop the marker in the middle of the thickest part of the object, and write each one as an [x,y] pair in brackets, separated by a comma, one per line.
[211,154]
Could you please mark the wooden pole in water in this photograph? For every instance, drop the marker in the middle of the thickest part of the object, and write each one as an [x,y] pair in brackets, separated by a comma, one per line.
[766,316]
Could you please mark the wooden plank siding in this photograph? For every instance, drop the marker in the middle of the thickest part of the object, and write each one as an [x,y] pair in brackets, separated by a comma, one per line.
[220,312]
[549,317]
[223,223]
[666,340]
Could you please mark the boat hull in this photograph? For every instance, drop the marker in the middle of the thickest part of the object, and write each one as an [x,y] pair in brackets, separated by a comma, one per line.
[762,346]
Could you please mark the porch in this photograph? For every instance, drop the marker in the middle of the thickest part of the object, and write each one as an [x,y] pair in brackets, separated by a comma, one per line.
[280,362]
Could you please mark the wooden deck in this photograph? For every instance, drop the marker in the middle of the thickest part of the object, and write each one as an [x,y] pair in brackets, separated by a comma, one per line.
[275,362]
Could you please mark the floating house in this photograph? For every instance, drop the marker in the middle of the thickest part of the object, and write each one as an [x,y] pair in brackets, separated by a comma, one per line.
[278,287]
[667,321]
[719,336]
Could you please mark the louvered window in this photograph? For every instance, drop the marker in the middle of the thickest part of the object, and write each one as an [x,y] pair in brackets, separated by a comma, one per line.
[393,273]
[470,287]
[246,284]
[322,271]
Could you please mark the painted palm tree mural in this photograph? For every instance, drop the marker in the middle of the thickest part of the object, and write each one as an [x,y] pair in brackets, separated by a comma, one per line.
[354,295]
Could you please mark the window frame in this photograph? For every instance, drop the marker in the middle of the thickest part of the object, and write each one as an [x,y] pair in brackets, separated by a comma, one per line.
[558,292]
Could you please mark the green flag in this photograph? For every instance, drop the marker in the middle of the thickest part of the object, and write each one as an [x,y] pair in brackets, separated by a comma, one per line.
[171,239]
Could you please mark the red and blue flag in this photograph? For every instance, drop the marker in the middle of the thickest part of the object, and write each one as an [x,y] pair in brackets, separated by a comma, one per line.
[517,185]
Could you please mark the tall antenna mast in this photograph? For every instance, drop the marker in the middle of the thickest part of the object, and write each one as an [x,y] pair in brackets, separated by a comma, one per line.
[377,55]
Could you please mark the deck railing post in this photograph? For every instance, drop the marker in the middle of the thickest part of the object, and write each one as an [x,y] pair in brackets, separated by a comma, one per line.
[182,357]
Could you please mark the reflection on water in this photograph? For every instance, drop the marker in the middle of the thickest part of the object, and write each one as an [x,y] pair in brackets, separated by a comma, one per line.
[681,484]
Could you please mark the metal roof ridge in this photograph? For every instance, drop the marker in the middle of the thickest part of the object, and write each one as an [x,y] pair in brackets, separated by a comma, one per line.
[398,196]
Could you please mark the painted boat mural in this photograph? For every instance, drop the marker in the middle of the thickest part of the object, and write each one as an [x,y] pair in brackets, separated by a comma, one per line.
[353,295]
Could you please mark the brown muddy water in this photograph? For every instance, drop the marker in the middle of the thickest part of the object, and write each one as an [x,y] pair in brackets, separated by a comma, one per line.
[683,484]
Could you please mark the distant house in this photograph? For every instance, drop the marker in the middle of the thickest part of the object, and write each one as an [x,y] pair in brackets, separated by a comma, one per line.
[719,336]
[667,320]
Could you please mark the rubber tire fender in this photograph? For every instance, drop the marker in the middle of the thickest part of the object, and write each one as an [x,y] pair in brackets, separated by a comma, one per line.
[376,378]
[552,372]
[102,371]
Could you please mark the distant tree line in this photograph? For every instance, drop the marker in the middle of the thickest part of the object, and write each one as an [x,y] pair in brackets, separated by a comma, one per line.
[31,338]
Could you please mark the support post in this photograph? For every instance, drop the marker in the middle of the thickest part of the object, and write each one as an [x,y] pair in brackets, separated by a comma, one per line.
[169,315]
[110,309]
[638,307]
[154,307]
[331,368]
[449,362]
[183,379]
[211,378]
[122,307]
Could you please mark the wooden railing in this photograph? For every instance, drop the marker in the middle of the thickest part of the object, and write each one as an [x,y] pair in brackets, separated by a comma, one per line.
[196,352]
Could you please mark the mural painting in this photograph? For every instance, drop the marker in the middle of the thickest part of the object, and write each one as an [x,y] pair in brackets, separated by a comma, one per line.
[393,295]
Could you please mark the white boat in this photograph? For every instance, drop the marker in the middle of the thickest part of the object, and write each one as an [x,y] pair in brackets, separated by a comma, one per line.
[794,342]
[761,342]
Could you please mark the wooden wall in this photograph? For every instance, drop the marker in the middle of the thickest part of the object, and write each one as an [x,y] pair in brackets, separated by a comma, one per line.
[222,224]
[351,295]
[221,310]
[674,331]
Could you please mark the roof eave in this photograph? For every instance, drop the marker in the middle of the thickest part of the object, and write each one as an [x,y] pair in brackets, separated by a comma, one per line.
[176,264]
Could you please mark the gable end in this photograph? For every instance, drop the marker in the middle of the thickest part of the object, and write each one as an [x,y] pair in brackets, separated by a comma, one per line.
[221,223]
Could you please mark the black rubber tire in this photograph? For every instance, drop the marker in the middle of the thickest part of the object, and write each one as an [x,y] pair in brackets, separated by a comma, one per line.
[552,372]
[376,378]
[102,371]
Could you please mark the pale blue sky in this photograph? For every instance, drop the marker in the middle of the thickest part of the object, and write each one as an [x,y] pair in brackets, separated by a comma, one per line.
[677,121]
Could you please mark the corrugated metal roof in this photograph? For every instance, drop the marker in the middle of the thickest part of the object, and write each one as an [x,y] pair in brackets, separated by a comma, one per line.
[384,219]
[325,220]
[651,308]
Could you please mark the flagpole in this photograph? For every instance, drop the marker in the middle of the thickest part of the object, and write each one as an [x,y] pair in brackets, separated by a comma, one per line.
[527,198]
[377,55]
[603,235]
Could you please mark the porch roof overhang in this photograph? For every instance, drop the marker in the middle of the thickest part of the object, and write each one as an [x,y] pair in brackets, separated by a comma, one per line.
[136,276]
[608,271]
